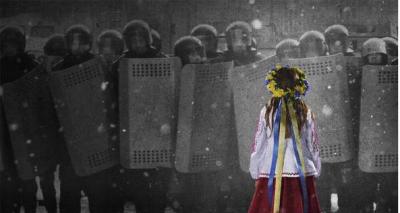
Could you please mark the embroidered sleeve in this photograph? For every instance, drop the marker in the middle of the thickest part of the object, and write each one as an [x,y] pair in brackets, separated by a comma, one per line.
[259,142]
[313,144]
[260,130]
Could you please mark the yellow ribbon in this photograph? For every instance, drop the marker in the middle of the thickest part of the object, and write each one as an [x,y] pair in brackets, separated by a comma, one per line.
[282,150]
[281,156]
[297,135]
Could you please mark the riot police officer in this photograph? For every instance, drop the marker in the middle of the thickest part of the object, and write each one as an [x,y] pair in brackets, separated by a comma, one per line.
[239,38]
[337,39]
[391,48]
[208,36]
[14,63]
[54,50]
[79,44]
[138,41]
[110,45]
[190,50]
[374,52]
[312,44]
[141,189]
[287,48]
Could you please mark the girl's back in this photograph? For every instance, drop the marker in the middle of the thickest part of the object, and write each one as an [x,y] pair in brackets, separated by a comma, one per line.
[285,150]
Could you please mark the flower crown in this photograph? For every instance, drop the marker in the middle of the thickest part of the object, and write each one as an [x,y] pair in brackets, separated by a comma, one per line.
[300,88]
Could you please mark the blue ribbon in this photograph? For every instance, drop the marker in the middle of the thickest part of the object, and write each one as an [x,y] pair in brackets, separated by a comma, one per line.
[277,121]
[302,178]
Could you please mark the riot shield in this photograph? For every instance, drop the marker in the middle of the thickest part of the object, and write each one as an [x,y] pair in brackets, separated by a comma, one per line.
[330,101]
[205,110]
[250,95]
[378,119]
[82,98]
[32,123]
[353,68]
[148,111]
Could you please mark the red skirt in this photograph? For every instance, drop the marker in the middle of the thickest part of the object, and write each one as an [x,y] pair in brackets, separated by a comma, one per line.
[291,196]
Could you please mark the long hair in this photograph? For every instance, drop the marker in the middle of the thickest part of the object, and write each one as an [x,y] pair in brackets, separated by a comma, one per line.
[287,79]
[301,112]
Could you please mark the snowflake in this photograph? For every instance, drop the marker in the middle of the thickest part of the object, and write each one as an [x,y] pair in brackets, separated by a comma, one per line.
[104,85]
[100,128]
[165,129]
[13,127]
[339,67]
[327,110]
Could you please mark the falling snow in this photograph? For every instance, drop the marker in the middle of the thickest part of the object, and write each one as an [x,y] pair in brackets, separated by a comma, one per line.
[327,110]
[104,85]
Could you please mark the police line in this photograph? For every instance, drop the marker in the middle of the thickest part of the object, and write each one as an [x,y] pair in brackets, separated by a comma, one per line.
[155,114]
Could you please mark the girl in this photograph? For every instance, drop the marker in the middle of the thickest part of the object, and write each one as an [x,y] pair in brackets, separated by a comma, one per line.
[285,156]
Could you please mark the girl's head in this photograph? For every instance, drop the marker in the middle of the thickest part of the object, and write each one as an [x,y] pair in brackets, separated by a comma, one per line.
[287,83]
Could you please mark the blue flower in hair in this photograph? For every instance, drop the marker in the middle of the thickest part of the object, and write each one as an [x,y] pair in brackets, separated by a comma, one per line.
[308,87]
[297,95]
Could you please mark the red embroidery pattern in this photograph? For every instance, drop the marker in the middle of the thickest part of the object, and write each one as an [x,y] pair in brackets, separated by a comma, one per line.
[315,137]
[253,146]
[288,173]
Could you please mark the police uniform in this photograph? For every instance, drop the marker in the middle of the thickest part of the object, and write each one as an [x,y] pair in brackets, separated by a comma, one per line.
[146,188]
[15,192]
[209,37]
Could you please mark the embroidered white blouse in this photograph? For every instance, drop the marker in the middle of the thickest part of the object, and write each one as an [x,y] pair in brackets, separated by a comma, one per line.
[262,149]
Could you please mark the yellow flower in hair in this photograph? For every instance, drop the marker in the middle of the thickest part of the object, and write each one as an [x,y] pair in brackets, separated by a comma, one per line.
[300,89]
[275,88]
[279,93]
[299,70]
